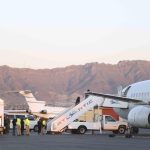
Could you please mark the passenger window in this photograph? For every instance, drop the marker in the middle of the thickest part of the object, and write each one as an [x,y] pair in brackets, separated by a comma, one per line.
[139,95]
[136,95]
[145,95]
[142,95]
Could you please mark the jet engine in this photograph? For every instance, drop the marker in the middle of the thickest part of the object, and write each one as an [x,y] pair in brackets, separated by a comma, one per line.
[139,116]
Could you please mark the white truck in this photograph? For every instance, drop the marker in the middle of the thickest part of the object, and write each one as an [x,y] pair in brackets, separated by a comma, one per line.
[67,118]
[104,123]
[1,116]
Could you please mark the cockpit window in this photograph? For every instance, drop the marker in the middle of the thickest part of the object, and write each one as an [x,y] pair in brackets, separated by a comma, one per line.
[124,93]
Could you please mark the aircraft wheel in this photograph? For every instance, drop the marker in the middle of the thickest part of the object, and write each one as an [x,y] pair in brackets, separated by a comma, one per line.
[134,130]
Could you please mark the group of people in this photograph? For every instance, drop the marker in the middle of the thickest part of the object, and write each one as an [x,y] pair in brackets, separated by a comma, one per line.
[19,124]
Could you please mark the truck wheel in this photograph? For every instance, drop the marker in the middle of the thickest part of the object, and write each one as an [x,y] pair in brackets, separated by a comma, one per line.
[82,129]
[121,129]
[35,128]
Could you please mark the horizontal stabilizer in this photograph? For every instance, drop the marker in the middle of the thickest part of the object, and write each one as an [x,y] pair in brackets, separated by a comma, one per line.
[117,98]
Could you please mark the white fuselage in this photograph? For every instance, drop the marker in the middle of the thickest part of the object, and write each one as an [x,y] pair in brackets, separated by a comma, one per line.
[139,91]
[39,108]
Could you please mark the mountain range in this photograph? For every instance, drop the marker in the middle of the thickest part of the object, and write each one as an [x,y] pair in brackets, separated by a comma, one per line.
[61,86]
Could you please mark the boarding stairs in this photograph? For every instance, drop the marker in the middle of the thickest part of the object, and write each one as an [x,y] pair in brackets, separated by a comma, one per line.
[68,116]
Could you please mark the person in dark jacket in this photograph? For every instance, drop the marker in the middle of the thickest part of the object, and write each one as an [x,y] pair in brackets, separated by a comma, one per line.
[22,126]
[14,126]
[39,126]
[7,124]
[77,101]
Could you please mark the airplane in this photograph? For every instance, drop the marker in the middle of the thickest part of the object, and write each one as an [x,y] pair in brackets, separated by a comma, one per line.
[133,104]
[39,108]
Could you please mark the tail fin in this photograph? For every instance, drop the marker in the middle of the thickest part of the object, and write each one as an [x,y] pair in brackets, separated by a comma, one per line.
[119,89]
[34,105]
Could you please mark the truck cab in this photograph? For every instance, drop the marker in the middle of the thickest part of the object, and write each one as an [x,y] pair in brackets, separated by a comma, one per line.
[103,123]
[110,124]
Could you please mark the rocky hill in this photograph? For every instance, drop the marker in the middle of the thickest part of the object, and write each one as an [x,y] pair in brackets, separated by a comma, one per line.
[61,86]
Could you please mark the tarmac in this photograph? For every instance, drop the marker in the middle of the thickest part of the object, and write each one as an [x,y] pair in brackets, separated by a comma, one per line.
[66,141]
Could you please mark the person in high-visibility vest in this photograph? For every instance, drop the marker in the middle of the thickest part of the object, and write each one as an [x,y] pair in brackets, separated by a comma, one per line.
[43,126]
[27,124]
[18,124]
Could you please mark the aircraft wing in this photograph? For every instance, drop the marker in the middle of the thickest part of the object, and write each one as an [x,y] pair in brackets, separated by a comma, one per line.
[116,98]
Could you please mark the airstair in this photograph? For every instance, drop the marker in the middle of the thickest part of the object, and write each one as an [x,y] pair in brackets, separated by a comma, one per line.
[59,123]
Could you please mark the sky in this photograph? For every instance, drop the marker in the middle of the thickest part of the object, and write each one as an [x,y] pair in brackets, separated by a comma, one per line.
[58,33]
